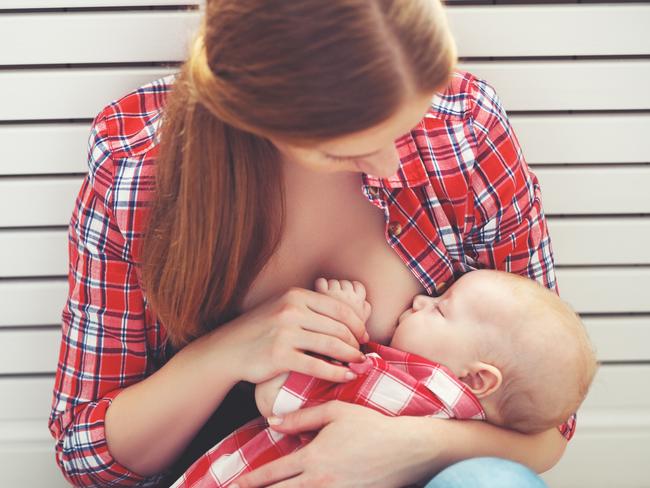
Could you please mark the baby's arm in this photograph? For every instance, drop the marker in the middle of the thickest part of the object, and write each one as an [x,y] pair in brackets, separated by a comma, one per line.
[266,392]
[354,294]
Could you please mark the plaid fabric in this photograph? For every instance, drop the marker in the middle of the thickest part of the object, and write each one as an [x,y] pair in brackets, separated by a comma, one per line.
[463,198]
[389,381]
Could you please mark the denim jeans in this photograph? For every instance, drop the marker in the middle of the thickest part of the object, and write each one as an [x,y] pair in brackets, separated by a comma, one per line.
[486,472]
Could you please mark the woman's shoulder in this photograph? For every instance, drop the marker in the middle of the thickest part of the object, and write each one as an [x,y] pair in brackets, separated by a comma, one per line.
[462,99]
[122,146]
[131,122]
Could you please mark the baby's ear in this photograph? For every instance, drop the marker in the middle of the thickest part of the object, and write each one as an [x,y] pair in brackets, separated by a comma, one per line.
[482,379]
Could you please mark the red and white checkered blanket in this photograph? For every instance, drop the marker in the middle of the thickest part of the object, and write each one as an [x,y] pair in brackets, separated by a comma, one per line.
[390,381]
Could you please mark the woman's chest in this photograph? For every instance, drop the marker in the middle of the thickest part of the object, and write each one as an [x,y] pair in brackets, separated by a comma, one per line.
[337,233]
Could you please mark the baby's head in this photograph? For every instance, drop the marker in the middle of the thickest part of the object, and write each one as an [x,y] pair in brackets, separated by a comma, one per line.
[521,349]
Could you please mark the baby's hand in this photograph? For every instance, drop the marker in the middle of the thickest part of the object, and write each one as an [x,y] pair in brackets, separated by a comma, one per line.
[351,292]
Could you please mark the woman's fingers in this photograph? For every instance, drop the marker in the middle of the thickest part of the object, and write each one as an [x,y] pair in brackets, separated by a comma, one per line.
[319,368]
[309,418]
[278,470]
[326,325]
[329,346]
[337,310]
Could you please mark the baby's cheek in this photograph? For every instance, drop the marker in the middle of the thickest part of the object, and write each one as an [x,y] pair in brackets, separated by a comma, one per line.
[413,335]
[400,339]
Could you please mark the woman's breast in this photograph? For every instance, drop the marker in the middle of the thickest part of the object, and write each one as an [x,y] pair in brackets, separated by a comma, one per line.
[343,240]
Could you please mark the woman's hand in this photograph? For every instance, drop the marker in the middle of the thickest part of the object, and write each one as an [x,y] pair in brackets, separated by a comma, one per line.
[356,447]
[278,335]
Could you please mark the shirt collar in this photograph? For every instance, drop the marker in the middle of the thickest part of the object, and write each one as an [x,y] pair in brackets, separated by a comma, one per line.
[412,170]
[457,398]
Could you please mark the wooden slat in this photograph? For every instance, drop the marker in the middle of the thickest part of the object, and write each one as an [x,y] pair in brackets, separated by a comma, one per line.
[15,4]
[614,387]
[32,302]
[604,457]
[588,290]
[567,85]
[573,139]
[66,148]
[611,190]
[606,290]
[29,351]
[592,241]
[50,38]
[606,240]
[613,432]
[590,139]
[68,93]
[26,398]
[619,387]
[36,350]
[523,85]
[38,201]
[577,30]
[33,253]
[607,190]
[620,338]
[30,463]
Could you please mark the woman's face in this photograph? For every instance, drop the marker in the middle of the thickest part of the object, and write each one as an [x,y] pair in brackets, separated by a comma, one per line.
[370,151]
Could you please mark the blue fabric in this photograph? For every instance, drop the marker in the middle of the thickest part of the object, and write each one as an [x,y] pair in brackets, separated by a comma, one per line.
[486,472]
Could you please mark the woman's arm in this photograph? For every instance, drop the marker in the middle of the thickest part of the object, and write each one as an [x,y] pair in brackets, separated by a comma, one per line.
[108,405]
[387,452]
[463,439]
[149,424]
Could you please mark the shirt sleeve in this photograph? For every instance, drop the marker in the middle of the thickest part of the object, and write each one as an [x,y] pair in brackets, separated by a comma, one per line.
[103,345]
[509,230]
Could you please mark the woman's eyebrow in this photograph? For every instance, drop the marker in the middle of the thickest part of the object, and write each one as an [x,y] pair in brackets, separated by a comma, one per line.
[350,157]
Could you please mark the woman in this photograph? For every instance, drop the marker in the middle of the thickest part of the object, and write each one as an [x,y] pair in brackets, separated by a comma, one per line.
[300,139]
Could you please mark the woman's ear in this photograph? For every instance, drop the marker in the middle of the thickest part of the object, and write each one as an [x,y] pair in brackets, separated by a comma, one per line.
[482,379]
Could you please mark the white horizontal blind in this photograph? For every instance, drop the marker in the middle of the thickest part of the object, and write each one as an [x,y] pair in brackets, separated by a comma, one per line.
[573,76]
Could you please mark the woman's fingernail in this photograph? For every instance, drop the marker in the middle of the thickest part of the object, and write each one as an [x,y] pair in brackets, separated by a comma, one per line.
[274,420]
[349,375]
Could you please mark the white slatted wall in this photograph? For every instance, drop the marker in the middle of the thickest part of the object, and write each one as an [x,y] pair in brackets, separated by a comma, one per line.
[574,77]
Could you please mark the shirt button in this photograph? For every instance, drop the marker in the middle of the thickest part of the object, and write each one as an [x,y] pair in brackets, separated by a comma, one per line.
[394,229]
[374,191]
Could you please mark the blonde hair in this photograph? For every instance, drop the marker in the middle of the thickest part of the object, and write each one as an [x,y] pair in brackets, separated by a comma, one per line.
[545,357]
[299,72]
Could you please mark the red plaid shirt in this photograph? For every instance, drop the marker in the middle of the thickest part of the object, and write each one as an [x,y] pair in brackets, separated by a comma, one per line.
[463,198]
[390,381]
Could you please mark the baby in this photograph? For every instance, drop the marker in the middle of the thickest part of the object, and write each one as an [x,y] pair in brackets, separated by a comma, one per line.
[495,346]
[520,349]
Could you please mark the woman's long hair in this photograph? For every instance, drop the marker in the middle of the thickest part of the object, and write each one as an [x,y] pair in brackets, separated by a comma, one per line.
[299,72]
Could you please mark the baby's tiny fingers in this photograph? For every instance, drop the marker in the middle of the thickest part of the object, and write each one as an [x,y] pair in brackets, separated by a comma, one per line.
[320,285]
[347,286]
[334,285]
[359,289]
